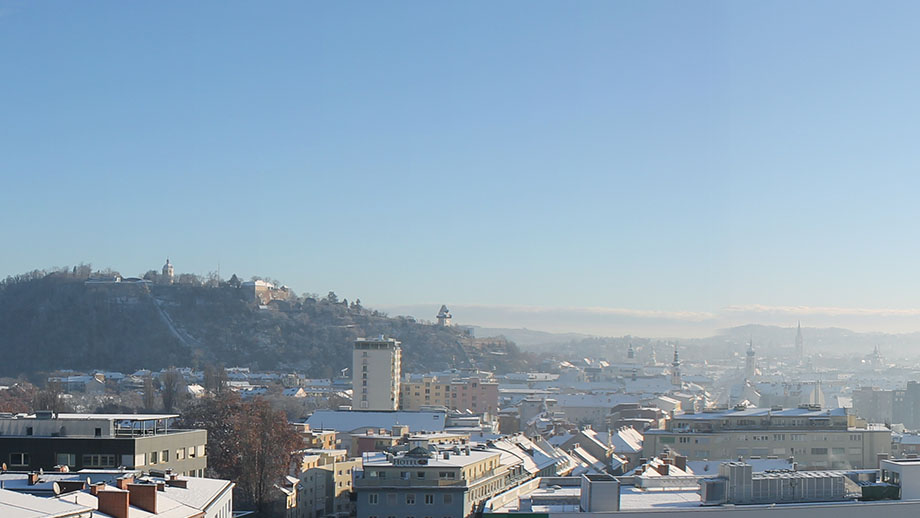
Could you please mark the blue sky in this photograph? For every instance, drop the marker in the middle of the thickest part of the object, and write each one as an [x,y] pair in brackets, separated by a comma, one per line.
[670,157]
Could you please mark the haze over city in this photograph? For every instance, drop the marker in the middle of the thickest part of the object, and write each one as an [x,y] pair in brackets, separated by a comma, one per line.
[665,169]
[415,259]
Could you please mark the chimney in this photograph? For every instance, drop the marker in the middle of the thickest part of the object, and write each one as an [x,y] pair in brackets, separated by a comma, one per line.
[173,476]
[122,482]
[114,503]
[161,486]
[664,469]
[144,496]
[680,462]
[94,488]
[176,482]
[33,478]
[69,486]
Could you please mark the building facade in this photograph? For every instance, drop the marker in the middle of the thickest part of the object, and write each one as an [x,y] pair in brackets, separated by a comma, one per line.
[422,484]
[473,393]
[815,438]
[101,441]
[376,371]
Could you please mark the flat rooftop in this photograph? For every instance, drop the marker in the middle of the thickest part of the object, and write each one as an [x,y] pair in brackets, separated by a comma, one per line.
[105,417]
[380,460]
[764,412]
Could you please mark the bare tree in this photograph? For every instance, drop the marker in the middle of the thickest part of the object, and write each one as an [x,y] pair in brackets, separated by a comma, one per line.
[215,378]
[149,394]
[51,398]
[172,389]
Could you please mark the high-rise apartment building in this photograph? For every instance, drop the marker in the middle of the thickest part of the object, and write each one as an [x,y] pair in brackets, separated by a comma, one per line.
[376,370]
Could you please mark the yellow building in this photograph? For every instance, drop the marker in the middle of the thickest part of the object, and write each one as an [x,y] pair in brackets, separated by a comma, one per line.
[430,391]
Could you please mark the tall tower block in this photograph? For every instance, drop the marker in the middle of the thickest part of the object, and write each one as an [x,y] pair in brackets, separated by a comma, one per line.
[799,343]
[376,372]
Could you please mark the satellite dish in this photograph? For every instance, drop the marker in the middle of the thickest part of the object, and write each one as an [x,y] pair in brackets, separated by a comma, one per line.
[56,488]
[88,482]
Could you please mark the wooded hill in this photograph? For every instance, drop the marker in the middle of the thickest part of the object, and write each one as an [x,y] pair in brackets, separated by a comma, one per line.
[51,321]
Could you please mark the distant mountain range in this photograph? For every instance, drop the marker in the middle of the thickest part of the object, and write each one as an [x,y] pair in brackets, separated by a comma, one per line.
[830,341]
[529,338]
[63,320]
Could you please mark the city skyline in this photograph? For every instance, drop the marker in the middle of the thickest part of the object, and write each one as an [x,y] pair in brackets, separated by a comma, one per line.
[637,166]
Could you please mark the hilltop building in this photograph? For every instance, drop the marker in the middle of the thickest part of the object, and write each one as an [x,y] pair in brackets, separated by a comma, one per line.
[262,292]
[169,273]
[444,317]
[376,371]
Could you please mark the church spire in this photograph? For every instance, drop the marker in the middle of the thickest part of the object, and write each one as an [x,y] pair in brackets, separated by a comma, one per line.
[749,362]
[675,368]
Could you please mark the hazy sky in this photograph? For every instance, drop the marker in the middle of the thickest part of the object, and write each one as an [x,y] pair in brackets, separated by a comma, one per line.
[677,157]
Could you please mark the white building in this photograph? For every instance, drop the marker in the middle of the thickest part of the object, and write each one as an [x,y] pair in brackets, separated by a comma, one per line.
[376,371]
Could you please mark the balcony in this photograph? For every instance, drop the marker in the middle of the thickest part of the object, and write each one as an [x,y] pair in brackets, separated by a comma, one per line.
[407,482]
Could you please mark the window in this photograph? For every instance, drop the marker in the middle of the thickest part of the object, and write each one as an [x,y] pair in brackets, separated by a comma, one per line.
[420,474]
[819,451]
[684,440]
[448,498]
[67,459]
[98,432]
[372,498]
[19,459]
[429,499]
[98,460]
[410,498]
[180,454]
[164,456]
[838,451]
[28,430]
[154,457]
